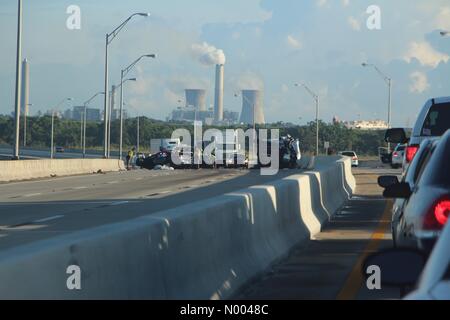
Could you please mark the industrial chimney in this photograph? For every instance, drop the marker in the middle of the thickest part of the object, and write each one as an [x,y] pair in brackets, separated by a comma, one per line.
[25,87]
[252,107]
[196,98]
[218,100]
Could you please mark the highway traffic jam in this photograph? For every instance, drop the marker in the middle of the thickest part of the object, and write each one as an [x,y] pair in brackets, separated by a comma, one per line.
[419,264]
[242,155]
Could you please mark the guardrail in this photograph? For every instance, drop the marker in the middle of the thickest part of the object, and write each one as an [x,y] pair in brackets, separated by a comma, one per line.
[204,250]
[45,168]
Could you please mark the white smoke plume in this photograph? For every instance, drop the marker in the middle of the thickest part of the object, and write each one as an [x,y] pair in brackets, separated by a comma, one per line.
[208,54]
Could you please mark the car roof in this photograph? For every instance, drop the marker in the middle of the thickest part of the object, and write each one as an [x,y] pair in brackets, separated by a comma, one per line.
[424,112]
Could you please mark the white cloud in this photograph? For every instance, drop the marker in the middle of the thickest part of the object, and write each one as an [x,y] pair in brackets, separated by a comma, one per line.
[442,20]
[425,54]
[294,42]
[419,82]
[322,3]
[354,23]
[345,3]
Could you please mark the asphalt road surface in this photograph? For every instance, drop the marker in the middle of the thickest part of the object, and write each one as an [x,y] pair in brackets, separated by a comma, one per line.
[328,267]
[31,211]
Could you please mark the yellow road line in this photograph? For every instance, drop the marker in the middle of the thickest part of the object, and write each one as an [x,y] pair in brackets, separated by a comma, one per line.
[353,283]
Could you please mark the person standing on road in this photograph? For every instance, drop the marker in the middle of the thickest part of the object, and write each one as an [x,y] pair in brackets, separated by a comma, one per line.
[129,157]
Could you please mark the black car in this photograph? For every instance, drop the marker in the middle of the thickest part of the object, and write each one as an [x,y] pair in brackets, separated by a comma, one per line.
[427,202]
[161,158]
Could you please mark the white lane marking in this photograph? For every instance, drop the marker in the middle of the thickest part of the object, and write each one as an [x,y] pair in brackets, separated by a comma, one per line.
[118,203]
[112,182]
[32,195]
[79,188]
[48,219]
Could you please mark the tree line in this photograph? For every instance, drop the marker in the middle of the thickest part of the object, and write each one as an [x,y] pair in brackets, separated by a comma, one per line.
[68,134]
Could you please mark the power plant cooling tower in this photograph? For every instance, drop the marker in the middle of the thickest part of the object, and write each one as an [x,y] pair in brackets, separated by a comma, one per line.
[218,100]
[252,101]
[196,98]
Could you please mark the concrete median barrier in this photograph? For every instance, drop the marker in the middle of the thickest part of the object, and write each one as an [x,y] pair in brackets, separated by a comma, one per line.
[204,250]
[34,169]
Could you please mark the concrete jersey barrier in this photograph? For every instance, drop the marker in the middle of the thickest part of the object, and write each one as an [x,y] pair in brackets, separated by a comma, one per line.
[34,169]
[205,250]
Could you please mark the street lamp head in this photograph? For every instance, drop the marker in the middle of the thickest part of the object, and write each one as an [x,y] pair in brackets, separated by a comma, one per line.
[144,14]
[365,64]
[131,79]
[154,56]
[444,33]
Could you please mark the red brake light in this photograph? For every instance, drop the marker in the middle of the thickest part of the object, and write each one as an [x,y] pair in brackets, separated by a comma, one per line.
[395,154]
[437,217]
[411,152]
[355,158]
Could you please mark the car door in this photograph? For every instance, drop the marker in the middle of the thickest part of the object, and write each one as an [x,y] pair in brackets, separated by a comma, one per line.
[401,226]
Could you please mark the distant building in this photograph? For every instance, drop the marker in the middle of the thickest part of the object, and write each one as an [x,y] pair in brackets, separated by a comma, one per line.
[77,114]
[367,125]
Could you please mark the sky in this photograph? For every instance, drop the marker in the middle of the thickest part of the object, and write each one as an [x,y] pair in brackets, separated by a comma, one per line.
[268,45]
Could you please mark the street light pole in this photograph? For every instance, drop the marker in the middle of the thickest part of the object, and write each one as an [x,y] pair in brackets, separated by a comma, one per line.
[18,81]
[109,38]
[137,135]
[85,120]
[52,133]
[388,81]
[316,98]
[53,126]
[123,73]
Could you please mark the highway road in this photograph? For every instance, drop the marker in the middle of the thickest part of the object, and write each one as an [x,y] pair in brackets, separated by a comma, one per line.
[328,267]
[36,210]
[325,268]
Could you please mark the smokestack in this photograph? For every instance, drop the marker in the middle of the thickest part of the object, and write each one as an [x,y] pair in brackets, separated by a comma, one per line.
[218,101]
[196,98]
[25,87]
[252,101]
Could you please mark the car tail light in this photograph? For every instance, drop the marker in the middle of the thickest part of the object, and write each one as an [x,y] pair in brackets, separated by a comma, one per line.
[437,216]
[355,158]
[395,154]
[411,152]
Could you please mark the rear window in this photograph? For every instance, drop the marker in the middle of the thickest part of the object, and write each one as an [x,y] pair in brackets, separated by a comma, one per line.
[349,154]
[437,120]
[400,148]
[437,170]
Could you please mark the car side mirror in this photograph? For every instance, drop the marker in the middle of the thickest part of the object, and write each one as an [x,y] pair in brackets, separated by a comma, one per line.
[399,190]
[399,267]
[396,135]
[387,181]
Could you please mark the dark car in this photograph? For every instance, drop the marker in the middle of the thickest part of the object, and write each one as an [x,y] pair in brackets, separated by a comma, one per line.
[161,158]
[59,149]
[427,203]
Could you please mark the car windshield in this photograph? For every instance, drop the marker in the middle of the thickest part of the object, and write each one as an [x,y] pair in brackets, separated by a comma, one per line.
[437,120]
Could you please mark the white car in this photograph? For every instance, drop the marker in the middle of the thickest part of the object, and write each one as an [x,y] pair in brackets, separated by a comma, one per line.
[434,283]
[433,121]
[398,156]
[351,154]
[409,268]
